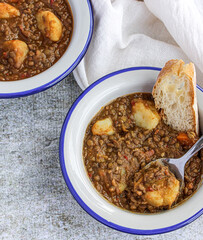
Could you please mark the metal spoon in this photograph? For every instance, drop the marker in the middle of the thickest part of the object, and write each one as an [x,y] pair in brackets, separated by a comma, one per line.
[177,165]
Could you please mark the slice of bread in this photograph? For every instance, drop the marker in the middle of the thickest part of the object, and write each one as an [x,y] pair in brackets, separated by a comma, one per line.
[175,95]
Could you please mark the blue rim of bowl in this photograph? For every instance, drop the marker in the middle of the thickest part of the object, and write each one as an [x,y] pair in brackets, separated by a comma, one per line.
[64,74]
[73,191]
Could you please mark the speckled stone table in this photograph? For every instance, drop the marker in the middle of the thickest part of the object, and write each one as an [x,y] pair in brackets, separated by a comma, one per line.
[35,203]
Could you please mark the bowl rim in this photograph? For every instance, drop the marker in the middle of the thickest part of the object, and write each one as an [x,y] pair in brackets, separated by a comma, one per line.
[64,74]
[73,191]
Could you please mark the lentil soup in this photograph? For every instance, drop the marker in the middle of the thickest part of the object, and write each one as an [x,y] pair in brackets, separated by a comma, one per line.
[117,146]
[34,34]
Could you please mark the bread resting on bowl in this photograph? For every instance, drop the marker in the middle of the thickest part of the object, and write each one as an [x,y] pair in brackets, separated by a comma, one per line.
[174,95]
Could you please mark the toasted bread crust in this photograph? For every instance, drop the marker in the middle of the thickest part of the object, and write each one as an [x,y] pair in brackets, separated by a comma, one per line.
[179,69]
[176,67]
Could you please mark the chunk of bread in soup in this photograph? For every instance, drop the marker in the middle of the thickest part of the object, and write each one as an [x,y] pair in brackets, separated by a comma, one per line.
[19,49]
[49,25]
[8,11]
[103,127]
[145,114]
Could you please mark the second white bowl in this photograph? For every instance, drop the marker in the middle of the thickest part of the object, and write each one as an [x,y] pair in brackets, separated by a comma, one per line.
[82,33]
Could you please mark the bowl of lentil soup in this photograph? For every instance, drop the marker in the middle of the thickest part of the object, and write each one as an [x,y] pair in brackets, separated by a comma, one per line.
[41,42]
[112,89]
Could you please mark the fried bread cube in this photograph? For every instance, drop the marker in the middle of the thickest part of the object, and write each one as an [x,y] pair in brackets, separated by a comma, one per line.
[49,25]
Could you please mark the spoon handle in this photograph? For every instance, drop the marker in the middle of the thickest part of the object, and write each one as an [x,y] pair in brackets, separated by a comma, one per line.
[194,149]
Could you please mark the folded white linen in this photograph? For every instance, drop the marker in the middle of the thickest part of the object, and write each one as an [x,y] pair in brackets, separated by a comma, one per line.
[130,33]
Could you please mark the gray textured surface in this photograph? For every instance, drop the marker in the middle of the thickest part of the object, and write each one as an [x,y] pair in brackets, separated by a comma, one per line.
[34,200]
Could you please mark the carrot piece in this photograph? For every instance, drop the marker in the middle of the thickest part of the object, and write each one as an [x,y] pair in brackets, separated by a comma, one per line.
[5,54]
[184,139]
[150,189]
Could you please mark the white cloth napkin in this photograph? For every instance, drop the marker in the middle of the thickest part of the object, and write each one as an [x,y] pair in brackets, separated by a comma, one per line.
[130,33]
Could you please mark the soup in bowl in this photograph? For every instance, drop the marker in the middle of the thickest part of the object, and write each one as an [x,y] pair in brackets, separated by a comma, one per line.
[102,93]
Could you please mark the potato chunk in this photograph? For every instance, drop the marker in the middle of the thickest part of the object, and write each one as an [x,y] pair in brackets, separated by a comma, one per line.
[103,127]
[50,25]
[19,51]
[166,193]
[8,11]
[145,114]
[159,185]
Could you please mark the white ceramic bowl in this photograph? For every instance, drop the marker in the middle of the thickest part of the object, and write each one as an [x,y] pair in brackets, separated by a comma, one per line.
[82,33]
[138,79]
